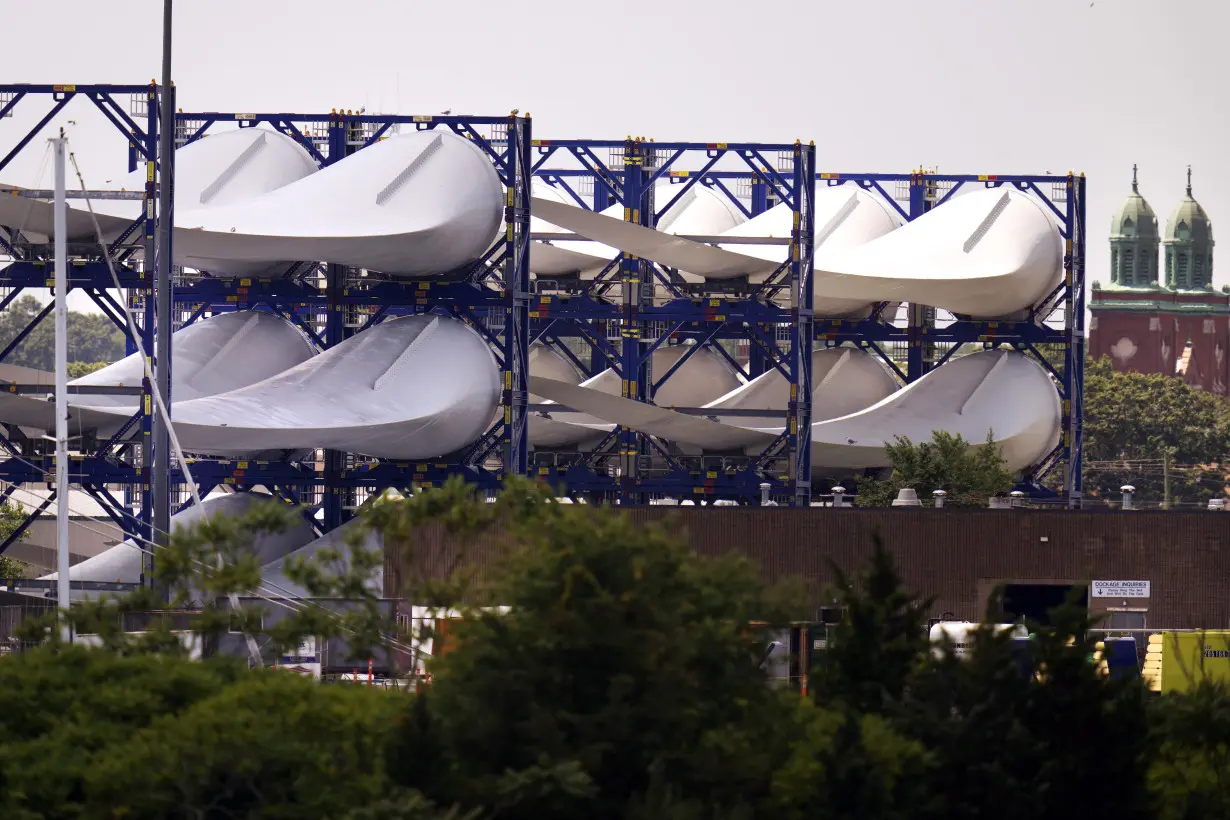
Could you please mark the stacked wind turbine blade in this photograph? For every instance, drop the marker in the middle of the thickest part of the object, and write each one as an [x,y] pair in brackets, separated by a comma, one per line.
[985,254]
[274,574]
[997,392]
[122,563]
[412,387]
[702,377]
[213,355]
[696,211]
[420,204]
[844,381]
[222,168]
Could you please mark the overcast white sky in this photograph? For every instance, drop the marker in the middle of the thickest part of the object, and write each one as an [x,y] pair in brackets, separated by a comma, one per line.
[979,86]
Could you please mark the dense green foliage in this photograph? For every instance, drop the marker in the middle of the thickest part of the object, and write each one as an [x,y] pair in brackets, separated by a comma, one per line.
[92,337]
[623,682]
[95,734]
[78,369]
[1191,773]
[11,517]
[969,475]
[1139,427]
[623,668]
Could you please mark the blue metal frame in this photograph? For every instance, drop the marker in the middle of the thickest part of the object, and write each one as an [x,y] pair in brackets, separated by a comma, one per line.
[919,335]
[496,295]
[494,299]
[111,462]
[785,465]
[499,295]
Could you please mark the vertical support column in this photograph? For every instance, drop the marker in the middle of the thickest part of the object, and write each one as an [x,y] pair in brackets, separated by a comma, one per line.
[146,293]
[920,318]
[757,362]
[63,465]
[335,333]
[164,309]
[337,137]
[802,327]
[598,361]
[517,297]
[1074,357]
[760,196]
[333,494]
[602,197]
[637,372]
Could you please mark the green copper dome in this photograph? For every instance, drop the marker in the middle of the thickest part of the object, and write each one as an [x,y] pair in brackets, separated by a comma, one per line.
[1134,242]
[1134,218]
[1188,222]
[1189,244]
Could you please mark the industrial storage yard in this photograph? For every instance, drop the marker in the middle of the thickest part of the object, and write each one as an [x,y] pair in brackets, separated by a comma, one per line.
[371,302]
[364,302]
[750,432]
[445,325]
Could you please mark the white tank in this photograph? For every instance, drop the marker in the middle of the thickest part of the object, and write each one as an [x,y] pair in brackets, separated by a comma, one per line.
[961,633]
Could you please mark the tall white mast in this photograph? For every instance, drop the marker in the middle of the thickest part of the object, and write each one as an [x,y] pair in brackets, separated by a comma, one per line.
[61,368]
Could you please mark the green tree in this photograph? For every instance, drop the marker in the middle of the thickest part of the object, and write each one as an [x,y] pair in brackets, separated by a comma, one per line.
[624,677]
[1190,775]
[11,517]
[63,711]
[78,369]
[847,766]
[969,475]
[997,734]
[89,733]
[623,682]
[1022,736]
[881,641]
[1140,427]
[270,745]
[92,337]
[851,761]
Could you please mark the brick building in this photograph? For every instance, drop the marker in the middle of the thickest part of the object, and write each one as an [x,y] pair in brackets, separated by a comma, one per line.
[958,556]
[1179,326]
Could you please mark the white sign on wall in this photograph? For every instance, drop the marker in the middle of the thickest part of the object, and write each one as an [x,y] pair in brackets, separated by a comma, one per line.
[1120,589]
[304,661]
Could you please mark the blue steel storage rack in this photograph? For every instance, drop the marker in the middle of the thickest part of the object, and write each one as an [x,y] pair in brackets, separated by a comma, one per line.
[112,462]
[498,300]
[494,299]
[786,463]
[1064,196]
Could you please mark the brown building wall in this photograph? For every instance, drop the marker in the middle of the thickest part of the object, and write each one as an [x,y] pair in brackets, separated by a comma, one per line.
[955,555]
[1135,342]
[1208,367]
[1152,340]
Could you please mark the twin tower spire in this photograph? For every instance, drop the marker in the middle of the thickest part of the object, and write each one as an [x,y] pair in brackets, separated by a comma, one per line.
[1135,242]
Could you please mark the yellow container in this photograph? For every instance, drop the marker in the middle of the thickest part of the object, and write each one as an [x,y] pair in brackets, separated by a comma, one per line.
[1189,657]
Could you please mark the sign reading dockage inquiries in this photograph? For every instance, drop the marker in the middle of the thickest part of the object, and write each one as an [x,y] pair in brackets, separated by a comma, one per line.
[1121,589]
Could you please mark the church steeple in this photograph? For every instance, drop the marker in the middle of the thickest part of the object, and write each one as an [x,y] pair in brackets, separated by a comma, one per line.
[1134,242]
[1189,244]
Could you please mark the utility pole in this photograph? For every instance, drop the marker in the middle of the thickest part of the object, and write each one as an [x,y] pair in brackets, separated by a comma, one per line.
[1166,477]
[161,478]
[61,355]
